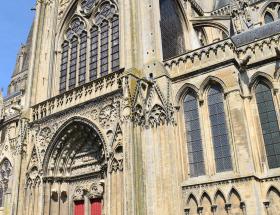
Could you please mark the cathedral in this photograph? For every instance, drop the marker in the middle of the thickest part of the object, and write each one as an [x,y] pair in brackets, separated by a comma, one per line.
[144,107]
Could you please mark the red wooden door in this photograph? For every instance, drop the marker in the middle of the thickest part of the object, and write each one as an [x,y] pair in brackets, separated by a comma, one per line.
[96,207]
[79,208]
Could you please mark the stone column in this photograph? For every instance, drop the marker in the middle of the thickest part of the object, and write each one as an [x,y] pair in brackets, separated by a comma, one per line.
[47,197]
[36,199]
[129,179]
[31,201]
[27,199]
[54,207]
[64,199]
[116,193]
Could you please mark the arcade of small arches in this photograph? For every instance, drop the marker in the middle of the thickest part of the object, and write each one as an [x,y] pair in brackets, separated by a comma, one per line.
[221,204]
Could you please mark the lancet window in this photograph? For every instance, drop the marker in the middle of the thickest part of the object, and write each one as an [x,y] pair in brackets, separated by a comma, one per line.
[269,124]
[193,132]
[220,135]
[80,63]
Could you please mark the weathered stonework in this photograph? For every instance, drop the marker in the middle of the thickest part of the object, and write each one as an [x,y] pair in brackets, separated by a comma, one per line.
[98,118]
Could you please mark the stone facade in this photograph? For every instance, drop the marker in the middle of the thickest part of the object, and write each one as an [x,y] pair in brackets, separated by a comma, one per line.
[127,107]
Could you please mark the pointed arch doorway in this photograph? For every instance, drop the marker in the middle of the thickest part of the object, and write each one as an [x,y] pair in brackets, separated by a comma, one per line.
[75,169]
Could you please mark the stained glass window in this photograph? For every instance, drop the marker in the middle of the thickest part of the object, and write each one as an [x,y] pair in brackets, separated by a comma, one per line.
[268,18]
[94,53]
[115,45]
[83,60]
[193,132]
[73,63]
[104,52]
[64,65]
[171,29]
[220,136]
[269,124]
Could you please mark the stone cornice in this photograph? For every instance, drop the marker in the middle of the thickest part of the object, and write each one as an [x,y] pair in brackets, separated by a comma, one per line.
[229,181]
[222,53]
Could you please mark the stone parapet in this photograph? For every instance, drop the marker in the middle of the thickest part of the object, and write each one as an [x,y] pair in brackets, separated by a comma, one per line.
[87,92]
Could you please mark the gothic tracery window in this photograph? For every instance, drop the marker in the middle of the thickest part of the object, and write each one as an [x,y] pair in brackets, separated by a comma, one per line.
[220,135]
[193,132]
[80,63]
[173,42]
[269,124]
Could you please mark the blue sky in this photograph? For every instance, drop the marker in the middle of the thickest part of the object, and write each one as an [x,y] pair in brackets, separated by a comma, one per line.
[15,21]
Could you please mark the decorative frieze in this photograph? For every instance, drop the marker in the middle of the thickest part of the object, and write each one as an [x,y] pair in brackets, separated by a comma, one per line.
[149,107]
[116,155]
[85,93]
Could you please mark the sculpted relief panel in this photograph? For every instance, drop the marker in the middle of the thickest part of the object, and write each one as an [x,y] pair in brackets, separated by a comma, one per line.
[104,115]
